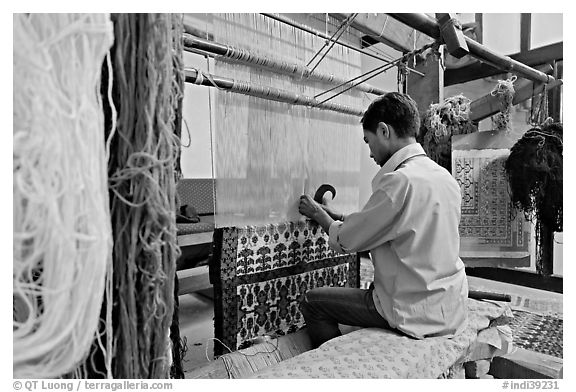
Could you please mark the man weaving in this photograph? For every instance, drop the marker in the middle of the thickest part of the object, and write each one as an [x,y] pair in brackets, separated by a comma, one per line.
[410,227]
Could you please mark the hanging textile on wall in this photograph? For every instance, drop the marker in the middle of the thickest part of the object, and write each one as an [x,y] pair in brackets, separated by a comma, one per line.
[266,153]
[143,149]
[492,231]
[62,234]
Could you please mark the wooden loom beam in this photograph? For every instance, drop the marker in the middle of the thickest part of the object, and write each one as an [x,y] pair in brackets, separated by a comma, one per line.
[430,26]
[429,89]
[525,31]
[452,35]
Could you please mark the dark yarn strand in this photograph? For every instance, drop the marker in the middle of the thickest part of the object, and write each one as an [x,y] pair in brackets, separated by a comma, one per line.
[534,170]
[179,346]
[143,191]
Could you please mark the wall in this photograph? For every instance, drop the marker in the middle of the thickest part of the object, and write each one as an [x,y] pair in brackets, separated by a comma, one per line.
[196,158]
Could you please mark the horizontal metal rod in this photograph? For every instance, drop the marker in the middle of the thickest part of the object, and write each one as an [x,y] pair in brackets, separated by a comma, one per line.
[478,70]
[197,77]
[289,22]
[430,26]
[192,43]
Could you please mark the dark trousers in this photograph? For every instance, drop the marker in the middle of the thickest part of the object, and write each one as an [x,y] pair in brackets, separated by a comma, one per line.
[324,308]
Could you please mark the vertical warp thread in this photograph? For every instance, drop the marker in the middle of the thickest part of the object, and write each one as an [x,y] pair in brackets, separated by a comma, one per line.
[143,152]
[268,153]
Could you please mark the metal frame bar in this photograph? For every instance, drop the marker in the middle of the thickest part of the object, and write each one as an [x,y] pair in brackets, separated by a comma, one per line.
[430,26]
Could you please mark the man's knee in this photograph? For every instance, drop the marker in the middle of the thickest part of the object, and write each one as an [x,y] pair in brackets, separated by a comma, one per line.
[305,305]
[307,302]
[310,300]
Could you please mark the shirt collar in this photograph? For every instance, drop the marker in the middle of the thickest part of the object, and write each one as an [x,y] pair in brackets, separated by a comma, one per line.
[399,156]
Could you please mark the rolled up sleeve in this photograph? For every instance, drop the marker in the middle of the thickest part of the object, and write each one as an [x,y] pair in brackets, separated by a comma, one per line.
[333,236]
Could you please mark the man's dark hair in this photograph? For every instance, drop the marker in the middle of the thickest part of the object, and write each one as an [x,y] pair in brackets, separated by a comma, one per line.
[397,109]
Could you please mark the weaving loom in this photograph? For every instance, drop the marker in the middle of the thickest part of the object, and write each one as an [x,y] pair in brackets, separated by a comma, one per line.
[260,274]
[266,154]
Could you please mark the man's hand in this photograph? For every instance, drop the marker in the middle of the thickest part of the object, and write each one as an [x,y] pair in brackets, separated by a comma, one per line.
[309,208]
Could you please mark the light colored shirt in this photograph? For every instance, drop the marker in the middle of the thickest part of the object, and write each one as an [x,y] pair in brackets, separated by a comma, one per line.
[410,226]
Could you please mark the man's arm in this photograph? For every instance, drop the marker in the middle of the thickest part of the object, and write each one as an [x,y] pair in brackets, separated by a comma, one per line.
[332,212]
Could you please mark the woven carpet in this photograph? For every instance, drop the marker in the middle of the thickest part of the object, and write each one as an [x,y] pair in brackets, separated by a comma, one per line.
[260,274]
[542,333]
[490,226]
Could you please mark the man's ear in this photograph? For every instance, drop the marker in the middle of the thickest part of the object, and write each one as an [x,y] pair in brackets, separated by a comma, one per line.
[383,130]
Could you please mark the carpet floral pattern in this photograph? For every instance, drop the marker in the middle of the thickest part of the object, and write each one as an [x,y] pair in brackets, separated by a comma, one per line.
[261,273]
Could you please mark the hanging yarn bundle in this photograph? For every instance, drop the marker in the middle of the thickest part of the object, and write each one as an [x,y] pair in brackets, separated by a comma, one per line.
[62,235]
[539,109]
[178,345]
[442,121]
[143,149]
[534,170]
[504,91]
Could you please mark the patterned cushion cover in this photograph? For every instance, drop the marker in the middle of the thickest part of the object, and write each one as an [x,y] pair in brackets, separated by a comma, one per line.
[197,192]
[380,353]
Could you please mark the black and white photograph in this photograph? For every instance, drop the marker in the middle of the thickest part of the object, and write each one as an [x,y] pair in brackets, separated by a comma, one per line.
[304,195]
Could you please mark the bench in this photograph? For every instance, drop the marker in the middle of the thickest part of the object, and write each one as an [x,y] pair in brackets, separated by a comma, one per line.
[195,239]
